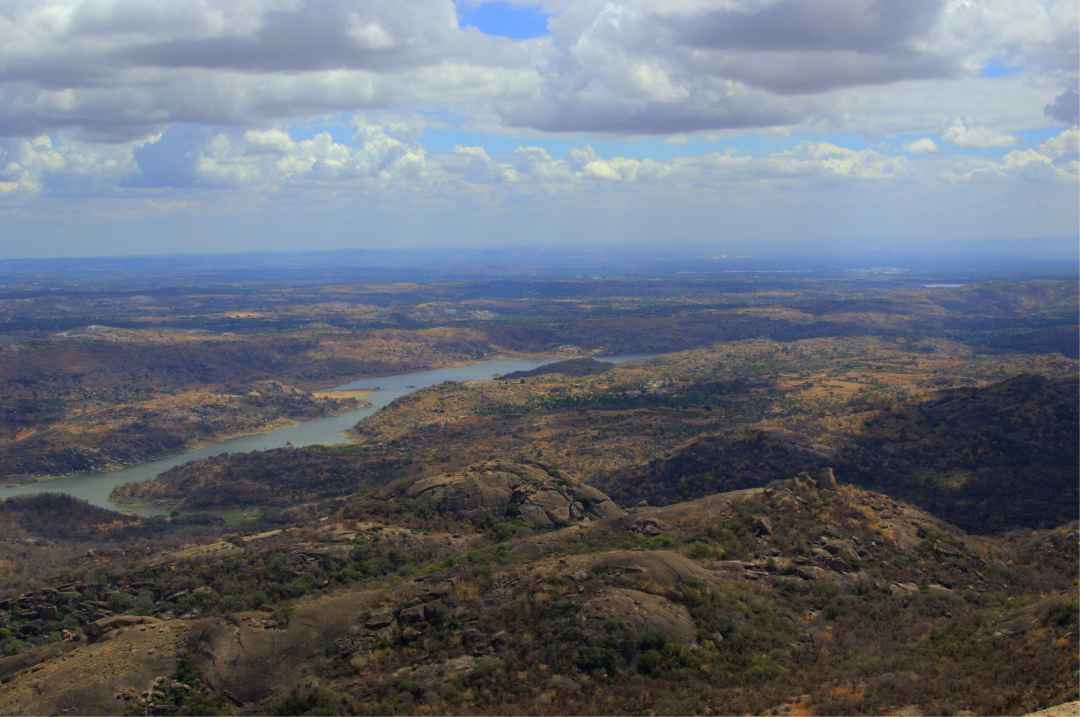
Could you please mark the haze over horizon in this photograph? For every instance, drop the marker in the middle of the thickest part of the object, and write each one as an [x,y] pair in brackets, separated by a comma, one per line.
[291,125]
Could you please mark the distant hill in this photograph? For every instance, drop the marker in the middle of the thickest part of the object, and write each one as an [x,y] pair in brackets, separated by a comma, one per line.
[283,477]
[59,517]
[710,464]
[570,367]
[987,459]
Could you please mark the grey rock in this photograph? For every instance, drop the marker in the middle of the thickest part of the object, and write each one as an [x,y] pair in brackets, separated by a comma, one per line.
[762,526]
[379,620]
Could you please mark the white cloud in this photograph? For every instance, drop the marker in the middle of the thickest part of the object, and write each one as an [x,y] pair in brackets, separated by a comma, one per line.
[754,63]
[923,145]
[270,159]
[387,159]
[26,164]
[1057,160]
[964,135]
[215,92]
[122,69]
[1064,145]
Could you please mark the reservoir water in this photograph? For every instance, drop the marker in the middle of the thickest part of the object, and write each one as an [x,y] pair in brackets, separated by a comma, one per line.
[96,487]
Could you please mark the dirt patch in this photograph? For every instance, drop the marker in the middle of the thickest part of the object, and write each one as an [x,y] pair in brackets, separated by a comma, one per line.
[250,662]
[96,678]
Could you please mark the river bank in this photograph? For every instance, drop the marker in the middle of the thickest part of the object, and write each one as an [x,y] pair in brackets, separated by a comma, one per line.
[96,487]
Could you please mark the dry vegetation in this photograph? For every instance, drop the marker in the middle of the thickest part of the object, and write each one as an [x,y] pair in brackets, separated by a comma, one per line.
[660,537]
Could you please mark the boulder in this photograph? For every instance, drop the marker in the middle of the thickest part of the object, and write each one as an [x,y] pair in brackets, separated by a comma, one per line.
[810,572]
[649,526]
[903,588]
[640,613]
[100,628]
[379,619]
[424,612]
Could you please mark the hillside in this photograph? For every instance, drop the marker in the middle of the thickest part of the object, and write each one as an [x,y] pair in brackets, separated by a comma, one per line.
[987,459]
[713,463]
[878,520]
[804,593]
[93,377]
[570,367]
[927,422]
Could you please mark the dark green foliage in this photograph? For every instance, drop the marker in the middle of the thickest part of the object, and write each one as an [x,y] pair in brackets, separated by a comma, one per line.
[987,459]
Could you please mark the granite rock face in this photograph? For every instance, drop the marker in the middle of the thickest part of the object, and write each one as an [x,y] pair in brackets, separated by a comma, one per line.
[532,493]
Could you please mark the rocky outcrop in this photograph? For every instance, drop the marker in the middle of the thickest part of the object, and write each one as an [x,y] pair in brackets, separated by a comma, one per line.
[641,613]
[1068,709]
[501,490]
[99,629]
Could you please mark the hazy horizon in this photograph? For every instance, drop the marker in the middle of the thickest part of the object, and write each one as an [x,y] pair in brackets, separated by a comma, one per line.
[972,261]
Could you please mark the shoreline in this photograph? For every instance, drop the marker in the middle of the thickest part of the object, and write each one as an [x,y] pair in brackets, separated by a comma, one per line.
[270,427]
[328,385]
[89,484]
[317,388]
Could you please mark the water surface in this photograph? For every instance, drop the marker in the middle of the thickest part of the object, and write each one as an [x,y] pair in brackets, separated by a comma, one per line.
[96,487]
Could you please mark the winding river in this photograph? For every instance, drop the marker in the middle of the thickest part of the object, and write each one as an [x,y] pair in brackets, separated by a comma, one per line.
[96,487]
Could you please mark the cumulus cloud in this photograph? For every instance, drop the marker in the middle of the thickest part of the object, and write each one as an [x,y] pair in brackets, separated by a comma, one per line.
[271,158]
[23,162]
[302,35]
[806,45]
[390,160]
[650,67]
[386,159]
[119,70]
[26,165]
[663,67]
[965,135]
[1056,160]
[147,96]
[924,145]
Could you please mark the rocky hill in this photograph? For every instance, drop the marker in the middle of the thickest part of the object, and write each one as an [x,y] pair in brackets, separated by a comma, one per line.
[496,491]
[804,595]
[983,443]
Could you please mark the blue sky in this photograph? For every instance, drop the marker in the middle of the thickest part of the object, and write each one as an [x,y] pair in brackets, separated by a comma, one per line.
[249,126]
[504,20]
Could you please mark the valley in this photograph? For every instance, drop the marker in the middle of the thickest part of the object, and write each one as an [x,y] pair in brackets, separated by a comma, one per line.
[540,357]
[792,496]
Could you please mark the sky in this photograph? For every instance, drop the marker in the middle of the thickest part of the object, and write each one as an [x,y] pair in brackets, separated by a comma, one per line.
[146,126]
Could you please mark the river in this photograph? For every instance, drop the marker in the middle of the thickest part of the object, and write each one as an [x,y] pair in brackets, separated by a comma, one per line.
[96,487]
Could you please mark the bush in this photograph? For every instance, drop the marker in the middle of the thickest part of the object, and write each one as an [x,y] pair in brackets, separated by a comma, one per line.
[651,662]
[594,658]
[763,667]
[12,646]
[283,615]
[1062,613]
